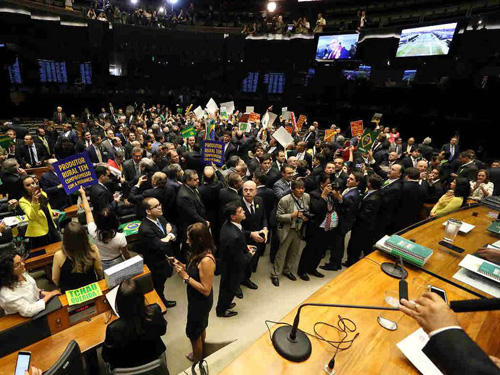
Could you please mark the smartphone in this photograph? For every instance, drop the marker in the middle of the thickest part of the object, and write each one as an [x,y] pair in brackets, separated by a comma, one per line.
[23,362]
[440,292]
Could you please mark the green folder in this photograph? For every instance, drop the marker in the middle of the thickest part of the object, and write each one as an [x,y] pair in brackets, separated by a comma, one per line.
[494,227]
[490,270]
[408,250]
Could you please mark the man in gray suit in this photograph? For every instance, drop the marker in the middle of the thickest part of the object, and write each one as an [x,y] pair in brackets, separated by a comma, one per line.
[292,215]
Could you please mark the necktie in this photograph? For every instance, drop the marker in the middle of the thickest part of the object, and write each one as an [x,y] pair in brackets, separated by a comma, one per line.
[60,117]
[137,170]
[386,183]
[161,228]
[252,209]
[99,156]
[45,143]
[329,215]
[34,156]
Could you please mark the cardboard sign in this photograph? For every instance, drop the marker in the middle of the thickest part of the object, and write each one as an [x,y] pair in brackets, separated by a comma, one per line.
[223,113]
[229,107]
[268,119]
[357,128]
[254,117]
[329,134]
[249,109]
[376,117]
[244,118]
[212,106]
[198,112]
[283,137]
[301,121]
[289,129]
[244,127]
[212,151]
[285,115]
[130,228]
[188,132]
[75,171]
[366,141]
[83,294]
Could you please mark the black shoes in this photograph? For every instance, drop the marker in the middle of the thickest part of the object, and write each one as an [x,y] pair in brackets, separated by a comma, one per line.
[330,267]
[249,284]
[232,305]
[275,281]
[316,274]
[303,276]
[169,304]
[227,314]
[239,294]
[291,276]
[347,264]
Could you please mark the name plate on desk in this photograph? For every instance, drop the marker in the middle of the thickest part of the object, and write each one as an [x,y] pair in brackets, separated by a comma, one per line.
[83,294]
[81,312]
[123,271]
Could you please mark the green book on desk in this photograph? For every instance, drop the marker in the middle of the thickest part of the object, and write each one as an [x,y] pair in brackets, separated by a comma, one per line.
[489,269]
[408,250]
[495,227]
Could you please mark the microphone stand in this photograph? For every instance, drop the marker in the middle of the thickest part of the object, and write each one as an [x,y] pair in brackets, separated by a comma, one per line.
[293,344]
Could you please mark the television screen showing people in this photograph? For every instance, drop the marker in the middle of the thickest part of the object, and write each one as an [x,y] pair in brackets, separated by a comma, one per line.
[362,72]
[336,47]
[426,41]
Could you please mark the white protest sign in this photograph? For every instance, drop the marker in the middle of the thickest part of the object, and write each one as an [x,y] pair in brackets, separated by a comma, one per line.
[283,137]
[211,106]
[285,115]
[268,119]
[198,112]
[229,107]
[249,109]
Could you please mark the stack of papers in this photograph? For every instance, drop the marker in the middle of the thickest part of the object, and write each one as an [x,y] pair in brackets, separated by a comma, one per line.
[408,250]
[412,348]
[480,274]
[464,228]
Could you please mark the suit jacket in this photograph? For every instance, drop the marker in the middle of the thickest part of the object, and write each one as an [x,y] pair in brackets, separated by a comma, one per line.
[447,147]
[209,195]
[286,206]
[229,151]
[318,209]
[310,139]
[193,161]
[434,191]
[107,146]
[12,185]
[413,196]
[258,220]
[407,162]
[101,198]
[93,155]
[494,174]
[50,143]
[398,149]
[366,217]
[152,248]
[269,200]
[57,119]
[129,170]
[272,176]
[165,195]
[190,208]
[307,157]
[226,195]
[391,198]
[455,353]
[342,179]
[23,155]
[281,188]
[73,136]
[57,197]
[347,210]
[38,224]
[468,171]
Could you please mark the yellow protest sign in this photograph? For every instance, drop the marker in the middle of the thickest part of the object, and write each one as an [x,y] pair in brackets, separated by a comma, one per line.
[83,294]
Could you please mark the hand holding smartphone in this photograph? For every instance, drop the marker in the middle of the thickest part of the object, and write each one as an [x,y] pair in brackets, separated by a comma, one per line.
[23,362]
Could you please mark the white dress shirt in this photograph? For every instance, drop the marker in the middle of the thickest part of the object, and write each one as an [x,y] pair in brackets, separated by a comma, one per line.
[23,298]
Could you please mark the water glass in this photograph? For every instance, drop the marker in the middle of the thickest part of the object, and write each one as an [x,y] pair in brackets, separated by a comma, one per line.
[451,230]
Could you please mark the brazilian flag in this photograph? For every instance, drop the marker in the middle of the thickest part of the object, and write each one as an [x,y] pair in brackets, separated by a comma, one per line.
[366,141]
[5,141]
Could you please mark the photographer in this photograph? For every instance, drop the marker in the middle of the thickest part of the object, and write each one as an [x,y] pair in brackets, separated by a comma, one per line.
[321,227]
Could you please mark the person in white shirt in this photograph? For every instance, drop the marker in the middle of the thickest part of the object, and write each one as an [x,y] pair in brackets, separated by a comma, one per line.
[18,290]
[482,187]
[320,24]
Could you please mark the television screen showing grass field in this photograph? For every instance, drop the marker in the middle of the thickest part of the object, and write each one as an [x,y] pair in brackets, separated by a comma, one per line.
[426,41]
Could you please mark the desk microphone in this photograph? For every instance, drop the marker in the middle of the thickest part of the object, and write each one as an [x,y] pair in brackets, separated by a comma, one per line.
[470,305]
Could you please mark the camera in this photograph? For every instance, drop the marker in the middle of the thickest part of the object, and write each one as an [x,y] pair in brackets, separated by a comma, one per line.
[307,214]
[336,186]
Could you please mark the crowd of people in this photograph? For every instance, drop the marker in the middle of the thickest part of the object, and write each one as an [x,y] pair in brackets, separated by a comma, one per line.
[201,220]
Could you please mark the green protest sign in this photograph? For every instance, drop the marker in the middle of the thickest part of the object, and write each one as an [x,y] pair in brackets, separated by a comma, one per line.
[5,141]
[83,294]
[366,140]
[188,132]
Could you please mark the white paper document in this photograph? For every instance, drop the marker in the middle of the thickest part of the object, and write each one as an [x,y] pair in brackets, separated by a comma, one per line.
[472,263]
[268,119]
[229,107]
[283,137]
[11,221]
[111,297]
[249,109]
[464,228]
[479,282]
[198,112]
[412,348]
[211,106]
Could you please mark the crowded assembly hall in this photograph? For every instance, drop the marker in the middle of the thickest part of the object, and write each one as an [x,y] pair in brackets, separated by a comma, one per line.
[292,187]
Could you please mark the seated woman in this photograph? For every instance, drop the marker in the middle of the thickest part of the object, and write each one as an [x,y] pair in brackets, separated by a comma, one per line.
[78,263]
[112,245]
[135,338]
[453,199]
[41,229]
[18,290]
[198,275]
[482,187]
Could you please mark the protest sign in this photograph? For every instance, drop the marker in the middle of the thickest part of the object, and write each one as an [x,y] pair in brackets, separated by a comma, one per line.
[285,115]
[376,117]
[249,109]
[223,113]
[268,119]
[211,106]
[283,137]
[300,122]
[357,128]
[75,171]
[212,151]
[289,129]
[229,107]
[130,228]
[366,140]
[83,294]
[254,117]
[284,109]
[329,134]
[198,112]
[188,132]
[244,127]
[5,141]
[244,118]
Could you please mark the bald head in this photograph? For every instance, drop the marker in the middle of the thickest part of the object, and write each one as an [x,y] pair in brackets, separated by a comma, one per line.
[249,191]
[208,172]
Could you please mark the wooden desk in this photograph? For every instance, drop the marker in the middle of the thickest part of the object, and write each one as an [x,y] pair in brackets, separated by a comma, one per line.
[71,211]
[38,172]
[374,351]
[89,334]
[444,261]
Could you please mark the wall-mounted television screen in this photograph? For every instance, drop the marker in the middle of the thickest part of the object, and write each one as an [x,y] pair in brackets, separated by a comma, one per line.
[426,41]
[362,72]
[336,47]
[409,75]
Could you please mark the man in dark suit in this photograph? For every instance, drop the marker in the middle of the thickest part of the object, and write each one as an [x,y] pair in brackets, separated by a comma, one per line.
[11,175]
[99,194]
[189,205]
[229,147]
[156,236]
[413,196]
[95,152]
[193,159]
[280,160]
[132,168]
[434,186]
[254,163]
[44,141]
[30,154]
[272,174]
[346,207]
[235,257]
[256,223]
[84,143]
[363,230]
[265,193]
[391,197]
[52,186]
[209,193]
[59,117]
[231,193]
[338,173]
[494,174]
[467,168]
[310,137]
[282,187]
[69,133]
[412,160]
[301,153]
[449,347]
[452,148]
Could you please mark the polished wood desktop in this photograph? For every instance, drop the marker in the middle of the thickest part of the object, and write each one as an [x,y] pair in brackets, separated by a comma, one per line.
[375,350]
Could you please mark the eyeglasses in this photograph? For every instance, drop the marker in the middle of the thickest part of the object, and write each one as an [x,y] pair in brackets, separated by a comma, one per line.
[156,206]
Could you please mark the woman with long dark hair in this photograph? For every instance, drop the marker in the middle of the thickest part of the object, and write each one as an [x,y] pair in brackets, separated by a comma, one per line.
[112,245]
[42,229]
[453,199]
[198,275]
[135,338]
[78,263]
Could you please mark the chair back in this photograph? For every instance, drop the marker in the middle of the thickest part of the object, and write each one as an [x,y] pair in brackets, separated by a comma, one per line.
[156,367]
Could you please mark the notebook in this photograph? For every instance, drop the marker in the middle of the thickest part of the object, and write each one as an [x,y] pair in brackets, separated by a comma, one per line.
[408,250]
[481,267]
[494,227]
